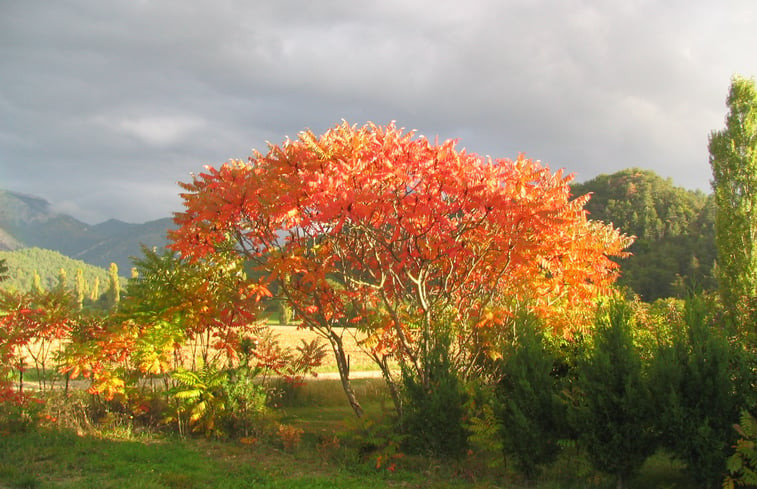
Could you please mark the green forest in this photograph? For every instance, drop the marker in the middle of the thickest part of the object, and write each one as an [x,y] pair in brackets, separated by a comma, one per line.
[25,263]
[674,250]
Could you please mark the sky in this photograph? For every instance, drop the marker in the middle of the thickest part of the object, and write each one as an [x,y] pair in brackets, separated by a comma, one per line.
[106,105]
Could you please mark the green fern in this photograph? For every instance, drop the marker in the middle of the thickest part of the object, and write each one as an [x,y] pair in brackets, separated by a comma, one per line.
[201,397]
[742,465]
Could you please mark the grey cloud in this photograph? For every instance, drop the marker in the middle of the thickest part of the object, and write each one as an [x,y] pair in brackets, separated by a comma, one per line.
[106,104]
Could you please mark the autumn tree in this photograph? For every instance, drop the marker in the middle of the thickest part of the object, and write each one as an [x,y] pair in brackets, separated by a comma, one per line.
[31,325]
[209,305]
[373,228]
[733,157]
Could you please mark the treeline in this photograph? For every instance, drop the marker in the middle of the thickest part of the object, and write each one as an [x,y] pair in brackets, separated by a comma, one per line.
[674,251]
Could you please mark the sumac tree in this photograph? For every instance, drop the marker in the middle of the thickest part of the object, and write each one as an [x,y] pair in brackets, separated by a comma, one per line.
[375,228]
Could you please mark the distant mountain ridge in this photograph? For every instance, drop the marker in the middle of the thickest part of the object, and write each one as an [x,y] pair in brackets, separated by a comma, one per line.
[28,221]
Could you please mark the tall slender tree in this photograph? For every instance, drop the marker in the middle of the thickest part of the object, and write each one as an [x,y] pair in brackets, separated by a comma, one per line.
[37,283]
[3,270]
[80,288]
[94,293]
[62,279]
[733,157]
[114,287]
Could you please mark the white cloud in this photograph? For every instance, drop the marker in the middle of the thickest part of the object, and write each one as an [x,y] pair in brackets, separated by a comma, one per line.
[159,130]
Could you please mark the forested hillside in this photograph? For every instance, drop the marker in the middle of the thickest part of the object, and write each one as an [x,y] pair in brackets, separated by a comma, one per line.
[675,245]
[22,265]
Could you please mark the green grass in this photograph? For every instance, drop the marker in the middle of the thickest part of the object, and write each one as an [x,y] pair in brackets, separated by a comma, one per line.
[115,458]
[61,459]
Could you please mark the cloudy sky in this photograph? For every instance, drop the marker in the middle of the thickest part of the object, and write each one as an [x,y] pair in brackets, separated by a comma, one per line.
[106,104]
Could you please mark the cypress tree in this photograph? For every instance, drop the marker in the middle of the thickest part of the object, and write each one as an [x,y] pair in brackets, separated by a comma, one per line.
[613,411]
[37,283]
[529,403]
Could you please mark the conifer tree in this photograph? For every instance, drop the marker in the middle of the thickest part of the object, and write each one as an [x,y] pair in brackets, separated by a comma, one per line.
[530,409]
[733,157]
[613,413]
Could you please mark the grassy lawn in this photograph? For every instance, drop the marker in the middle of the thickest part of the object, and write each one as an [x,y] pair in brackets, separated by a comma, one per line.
[332,454]
[62,459]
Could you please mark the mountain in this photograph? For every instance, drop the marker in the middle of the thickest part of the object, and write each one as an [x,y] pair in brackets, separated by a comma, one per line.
[674,228]
[27,221]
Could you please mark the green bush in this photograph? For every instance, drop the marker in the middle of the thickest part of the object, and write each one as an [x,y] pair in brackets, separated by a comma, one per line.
[529,403]
[700,383]
[612,410]
[246,401]
[433,414]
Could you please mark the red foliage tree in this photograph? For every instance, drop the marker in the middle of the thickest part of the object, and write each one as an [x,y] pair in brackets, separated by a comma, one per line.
[375,228]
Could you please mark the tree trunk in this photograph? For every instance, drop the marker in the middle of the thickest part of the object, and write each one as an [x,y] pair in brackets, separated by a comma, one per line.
[344,371]
[391,383]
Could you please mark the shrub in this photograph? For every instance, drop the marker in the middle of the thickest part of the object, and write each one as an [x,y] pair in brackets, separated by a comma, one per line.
[700,383]
[529,407]
[434,410]
[612,412]
[245,402]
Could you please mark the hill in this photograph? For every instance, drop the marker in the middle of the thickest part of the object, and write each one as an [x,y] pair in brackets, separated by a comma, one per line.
[23,263]
[675,244]
[29,221]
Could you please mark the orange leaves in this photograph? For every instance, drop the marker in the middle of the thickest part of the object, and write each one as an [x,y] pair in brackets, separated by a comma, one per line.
[375,215]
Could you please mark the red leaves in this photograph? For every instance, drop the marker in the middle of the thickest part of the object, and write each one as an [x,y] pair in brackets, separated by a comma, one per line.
[373,215]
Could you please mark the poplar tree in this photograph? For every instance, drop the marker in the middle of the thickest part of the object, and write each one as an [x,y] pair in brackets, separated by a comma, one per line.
[80,288]
[62,279]
[95,291]
[114,287]
[733,157]
[37,283]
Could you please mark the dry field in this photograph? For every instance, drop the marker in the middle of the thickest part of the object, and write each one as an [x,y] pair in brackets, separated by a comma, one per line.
[291,336]
[288,336]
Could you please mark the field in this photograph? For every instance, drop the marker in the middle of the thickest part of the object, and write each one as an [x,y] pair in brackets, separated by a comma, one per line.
[290,336]
[359,362]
